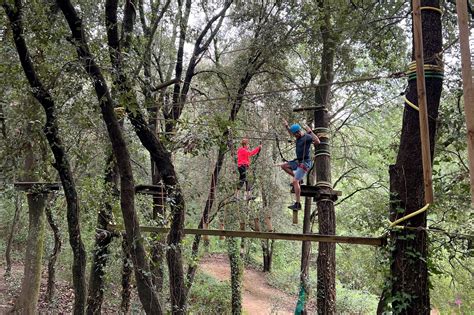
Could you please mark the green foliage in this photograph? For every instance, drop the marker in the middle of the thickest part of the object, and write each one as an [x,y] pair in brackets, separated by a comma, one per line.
[209,296]
[350,301]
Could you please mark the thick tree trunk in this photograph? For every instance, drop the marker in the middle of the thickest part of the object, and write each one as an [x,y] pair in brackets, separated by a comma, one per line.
[28,299]
[51,131]
[50,288]
[326,261]
[146,292]
[30,285]
[236,274]
[103,238]
[410,289]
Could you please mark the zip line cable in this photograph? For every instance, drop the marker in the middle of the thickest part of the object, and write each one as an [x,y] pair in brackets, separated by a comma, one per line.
[305,87]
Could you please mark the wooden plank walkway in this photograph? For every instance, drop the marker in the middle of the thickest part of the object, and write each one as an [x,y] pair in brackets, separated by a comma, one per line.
[373,241]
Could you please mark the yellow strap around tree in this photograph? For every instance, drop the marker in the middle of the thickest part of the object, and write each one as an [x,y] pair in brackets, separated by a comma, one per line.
[408,216]
[410,103]
[433,9]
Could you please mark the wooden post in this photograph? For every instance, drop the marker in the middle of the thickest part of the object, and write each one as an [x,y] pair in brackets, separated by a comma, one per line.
[221,227]
[257,224]
[422,104]
[205,227]
[295,216]
[466,69]
[268,223]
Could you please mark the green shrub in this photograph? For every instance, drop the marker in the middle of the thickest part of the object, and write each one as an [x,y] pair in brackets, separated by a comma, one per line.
[358,302]
[210,296]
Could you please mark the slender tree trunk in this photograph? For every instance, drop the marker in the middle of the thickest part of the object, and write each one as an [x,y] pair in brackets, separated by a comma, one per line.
[51,131]
[50,288]
[159,240]
[11,234]
[103,238]
[127,268]
[267,250]
[145,287]
[236,274]
[326,261]
[410,289]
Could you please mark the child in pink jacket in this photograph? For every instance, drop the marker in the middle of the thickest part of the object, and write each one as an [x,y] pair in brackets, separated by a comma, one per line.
[243,163]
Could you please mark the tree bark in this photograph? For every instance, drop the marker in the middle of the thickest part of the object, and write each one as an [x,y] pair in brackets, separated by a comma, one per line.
[410,289]
[127,268]
[51,131]
[146,293]
[30,285]
[50,288]
[326,261]
[11,234]
[28,299]
[267,250]
[236,274]
[103,238]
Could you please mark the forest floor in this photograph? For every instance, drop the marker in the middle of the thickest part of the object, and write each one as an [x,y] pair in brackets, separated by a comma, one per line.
[258,297]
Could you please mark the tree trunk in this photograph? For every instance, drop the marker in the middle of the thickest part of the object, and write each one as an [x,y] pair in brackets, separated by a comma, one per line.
[11,234]
[267,250]
[159,240]
[30,285]
[159,154]
[103,238]
[326,261]
[236,274]
[51,131]
[146,293]
[28,299]
[127,268]
[50,288]
[410,289]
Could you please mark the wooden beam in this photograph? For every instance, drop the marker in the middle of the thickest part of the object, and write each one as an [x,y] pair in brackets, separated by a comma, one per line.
[374,241]
[303,109]
[36,187]
[315,191]
[422,104]
[468,94]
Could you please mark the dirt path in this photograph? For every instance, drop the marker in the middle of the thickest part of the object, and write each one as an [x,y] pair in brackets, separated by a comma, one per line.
[258,297]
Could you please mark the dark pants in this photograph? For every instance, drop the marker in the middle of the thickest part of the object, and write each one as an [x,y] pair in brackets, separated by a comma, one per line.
[243,177]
